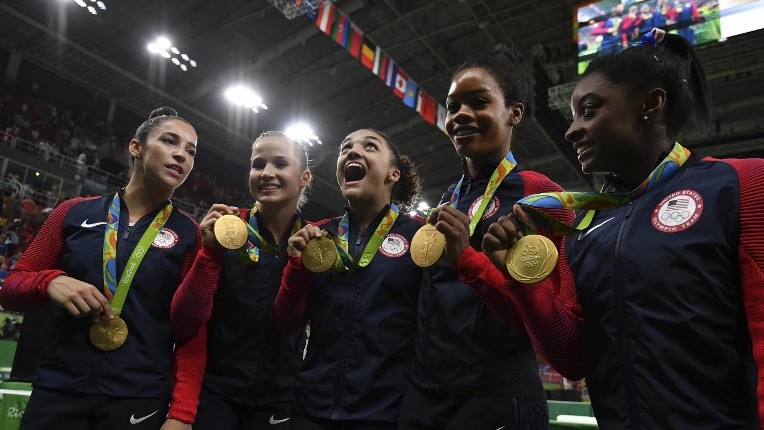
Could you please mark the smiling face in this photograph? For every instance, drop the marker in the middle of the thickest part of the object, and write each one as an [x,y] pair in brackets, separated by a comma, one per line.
[276,174]
[365,167]
[478,120]
[606,126]
[167,157]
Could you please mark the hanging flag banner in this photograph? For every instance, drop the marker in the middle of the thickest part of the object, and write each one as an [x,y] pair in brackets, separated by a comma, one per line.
[338,26]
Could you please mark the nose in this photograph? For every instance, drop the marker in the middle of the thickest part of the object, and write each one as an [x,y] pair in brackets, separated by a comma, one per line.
[268,171]
[575,132]
[179,155]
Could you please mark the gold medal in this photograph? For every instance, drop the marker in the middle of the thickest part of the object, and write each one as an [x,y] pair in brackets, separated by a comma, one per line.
[108,335]
[427,246]
[319,254]
[230,231]
[531,259]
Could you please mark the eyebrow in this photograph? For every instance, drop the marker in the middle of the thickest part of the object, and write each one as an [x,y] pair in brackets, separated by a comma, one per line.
[471,92]
[177,137]
[363,139]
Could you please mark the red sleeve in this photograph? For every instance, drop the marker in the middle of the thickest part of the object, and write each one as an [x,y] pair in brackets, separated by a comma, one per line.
[290,309]
[192,304]
[476,270]
[549,309]
[751,252]
[27,284]
[190,359]
[552,318]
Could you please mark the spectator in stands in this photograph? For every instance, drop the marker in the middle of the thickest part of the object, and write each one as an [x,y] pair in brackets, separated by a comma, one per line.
[362,310]
[113,353]
[470,368]
[251,366]
[658,304]
[11,241]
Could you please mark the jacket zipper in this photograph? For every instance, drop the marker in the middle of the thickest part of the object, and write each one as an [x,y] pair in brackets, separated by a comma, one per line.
[622,325]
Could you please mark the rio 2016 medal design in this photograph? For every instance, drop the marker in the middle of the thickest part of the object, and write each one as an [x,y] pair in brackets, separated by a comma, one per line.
[427,246]
[108,335]
[230,231]
[319,254]
[531,259]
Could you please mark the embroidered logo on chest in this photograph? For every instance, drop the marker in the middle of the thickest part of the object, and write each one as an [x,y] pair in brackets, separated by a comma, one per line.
[677,211]
[166,238]
[490,209]
[394,245]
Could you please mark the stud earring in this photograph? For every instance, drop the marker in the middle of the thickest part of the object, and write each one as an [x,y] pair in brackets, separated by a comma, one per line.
[646,120]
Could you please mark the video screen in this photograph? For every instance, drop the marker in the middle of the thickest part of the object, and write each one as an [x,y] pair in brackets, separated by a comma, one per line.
[610,26]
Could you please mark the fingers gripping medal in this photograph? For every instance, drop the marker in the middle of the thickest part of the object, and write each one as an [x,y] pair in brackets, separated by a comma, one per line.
[108,335]
[531,259]
[230,231]
[427,246]
[319,254]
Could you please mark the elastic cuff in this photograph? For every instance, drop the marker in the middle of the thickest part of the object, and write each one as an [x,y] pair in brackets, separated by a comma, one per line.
[45,280]
[214,253]
[469,264]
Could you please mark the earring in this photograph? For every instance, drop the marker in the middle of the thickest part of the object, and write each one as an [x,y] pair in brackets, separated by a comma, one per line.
[646,120]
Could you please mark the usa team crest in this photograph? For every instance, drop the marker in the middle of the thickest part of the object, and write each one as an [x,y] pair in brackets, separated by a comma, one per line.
[678,211]
[394,245]
[166,238]
[490,209]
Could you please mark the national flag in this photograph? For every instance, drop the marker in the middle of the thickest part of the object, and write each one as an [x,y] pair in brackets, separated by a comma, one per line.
[380,64]
[392,72]
[400,83]
[326,17]
[409,98]
[355,36]
[679,204]
[426,106]
[368,52]
[440,117]
[340,29]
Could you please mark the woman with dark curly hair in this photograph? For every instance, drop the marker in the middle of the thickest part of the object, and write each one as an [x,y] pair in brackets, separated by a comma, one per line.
[362,310]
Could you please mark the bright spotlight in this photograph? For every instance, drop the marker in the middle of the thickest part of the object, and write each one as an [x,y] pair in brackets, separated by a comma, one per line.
[175,61]
[243,96]
[164,53]
[174,50]
[184,57]
[302,133]
[101,5]
[153,48]
[183,67]
[92,10]
[163,43]
[192,63]
[81,3]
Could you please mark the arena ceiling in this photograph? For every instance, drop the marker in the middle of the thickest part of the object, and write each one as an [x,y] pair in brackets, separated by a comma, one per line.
[302,74]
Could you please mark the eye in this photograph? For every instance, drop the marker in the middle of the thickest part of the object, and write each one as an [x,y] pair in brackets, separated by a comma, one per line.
[258,164]
[281,164]
[480,102]
[168,140]
[452,107]
[345,147]
[191,152]
[371,145]
[587,111]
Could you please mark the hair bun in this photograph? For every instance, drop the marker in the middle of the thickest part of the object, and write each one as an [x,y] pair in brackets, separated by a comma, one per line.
[163,111]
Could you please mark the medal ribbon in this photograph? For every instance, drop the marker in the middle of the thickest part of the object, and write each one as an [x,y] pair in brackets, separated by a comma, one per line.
[502,170]
[591,201]
[256,242]
[117,292]
[341,240]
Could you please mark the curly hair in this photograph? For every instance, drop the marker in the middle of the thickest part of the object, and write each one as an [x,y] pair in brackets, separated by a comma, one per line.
[406,191]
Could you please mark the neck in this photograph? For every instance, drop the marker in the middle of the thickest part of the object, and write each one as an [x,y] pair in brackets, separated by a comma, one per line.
[140,200]
[277,218]
[474,164]
[365,211]
[639,168]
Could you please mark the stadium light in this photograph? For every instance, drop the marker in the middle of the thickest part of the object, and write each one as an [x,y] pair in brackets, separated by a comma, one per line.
[302,133]
[163,46]
[243,96]
[93,7]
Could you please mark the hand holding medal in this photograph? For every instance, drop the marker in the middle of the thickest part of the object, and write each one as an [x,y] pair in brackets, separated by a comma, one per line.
[510,242]
[318,252]
[223,227]
[446,233]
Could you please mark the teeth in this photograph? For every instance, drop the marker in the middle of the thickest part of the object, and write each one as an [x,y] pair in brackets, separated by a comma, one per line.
[353,164]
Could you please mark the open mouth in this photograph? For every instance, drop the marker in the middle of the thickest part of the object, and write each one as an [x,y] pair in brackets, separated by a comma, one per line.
[354,172]
[269,187]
